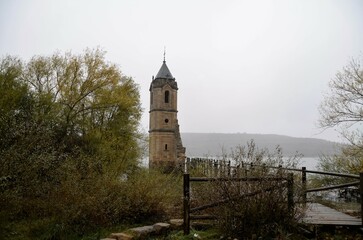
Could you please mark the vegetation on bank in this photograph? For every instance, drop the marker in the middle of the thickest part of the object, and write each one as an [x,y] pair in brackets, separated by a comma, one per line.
[69,149]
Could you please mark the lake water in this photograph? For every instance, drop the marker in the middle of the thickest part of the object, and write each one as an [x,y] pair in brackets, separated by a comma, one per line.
[309,163]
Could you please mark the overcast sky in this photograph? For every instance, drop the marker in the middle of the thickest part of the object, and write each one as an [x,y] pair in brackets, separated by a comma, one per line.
[241,66]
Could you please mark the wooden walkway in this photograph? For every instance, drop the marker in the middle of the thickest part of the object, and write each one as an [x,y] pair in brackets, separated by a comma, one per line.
[318,214]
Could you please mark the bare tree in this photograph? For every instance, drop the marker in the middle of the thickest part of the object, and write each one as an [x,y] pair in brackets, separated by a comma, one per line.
[343,106]
[342,109]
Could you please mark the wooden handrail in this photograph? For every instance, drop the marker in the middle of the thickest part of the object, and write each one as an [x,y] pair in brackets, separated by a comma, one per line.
[313,171]
[210,205]
[226,179]
[333,187]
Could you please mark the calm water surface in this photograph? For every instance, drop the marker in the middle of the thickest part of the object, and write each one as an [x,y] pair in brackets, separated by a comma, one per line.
[309,163]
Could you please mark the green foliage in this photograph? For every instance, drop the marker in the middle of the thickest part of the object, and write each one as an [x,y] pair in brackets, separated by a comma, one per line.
[78,206]
[349,161]
[69,149]
[87,102]
[152,193]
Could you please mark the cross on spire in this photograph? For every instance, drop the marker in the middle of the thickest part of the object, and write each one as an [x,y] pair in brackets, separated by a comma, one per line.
[164,71]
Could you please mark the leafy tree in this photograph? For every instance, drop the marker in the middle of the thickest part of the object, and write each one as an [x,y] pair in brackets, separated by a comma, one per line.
[13,98]
[81,102]
[87,101]
[68,131]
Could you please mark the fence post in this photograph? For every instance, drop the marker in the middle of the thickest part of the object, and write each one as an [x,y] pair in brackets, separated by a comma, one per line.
[215,168]
[186,167]
[186,203]
[237,171]
[251,173]
[303,178]
[264,168]
[290,192]
[229,168]
[361,195]
[245,168]
[279,170]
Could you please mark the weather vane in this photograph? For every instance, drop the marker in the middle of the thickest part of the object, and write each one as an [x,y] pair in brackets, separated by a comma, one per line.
[164,52]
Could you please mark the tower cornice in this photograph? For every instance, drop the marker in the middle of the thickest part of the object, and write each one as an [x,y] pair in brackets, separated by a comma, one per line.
[165,130]
[163,110]
[161,82]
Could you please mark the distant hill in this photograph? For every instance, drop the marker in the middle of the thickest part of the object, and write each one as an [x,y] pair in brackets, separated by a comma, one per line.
[211,144]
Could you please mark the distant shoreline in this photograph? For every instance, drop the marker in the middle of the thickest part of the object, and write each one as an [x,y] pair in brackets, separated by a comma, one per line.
[212,144]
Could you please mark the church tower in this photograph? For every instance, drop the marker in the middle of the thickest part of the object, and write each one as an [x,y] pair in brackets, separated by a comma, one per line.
[166,150]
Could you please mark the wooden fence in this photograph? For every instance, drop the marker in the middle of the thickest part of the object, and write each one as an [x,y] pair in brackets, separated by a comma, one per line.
[288,183]
[220,170]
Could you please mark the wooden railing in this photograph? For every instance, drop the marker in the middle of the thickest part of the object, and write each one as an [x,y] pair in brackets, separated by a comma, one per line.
[224,171]
[288,182]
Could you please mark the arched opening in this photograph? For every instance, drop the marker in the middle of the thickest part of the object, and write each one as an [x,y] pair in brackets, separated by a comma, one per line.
[166,96]
[166,147]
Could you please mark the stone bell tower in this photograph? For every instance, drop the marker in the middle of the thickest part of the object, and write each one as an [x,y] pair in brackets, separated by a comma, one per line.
[165,146]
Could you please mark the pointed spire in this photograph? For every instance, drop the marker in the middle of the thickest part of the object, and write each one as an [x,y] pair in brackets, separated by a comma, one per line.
[164,71]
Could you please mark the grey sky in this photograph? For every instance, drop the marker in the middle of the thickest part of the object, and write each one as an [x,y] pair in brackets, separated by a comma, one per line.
[241,66]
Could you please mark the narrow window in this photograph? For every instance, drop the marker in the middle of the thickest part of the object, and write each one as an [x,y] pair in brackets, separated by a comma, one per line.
[166,97]
[166,147]
[151,98]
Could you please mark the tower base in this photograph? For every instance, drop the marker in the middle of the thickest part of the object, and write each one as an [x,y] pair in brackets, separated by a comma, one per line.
[168,166]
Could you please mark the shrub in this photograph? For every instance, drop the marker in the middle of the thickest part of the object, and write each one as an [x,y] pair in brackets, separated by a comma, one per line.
[249,208]
[78,206]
